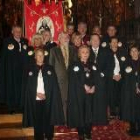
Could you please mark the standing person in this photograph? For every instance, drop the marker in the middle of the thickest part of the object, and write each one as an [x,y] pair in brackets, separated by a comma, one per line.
[70,29]
[48,43]
[97,30]
[37,41]
[60,58]
[103,61]
[115,81]
[48,40]
[80,94]
[42,99]
[130,105]
[76,40]
[82,29]
[112,32]
[13,58]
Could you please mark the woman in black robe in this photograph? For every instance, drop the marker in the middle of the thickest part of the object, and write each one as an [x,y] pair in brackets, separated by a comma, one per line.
[80,94]
[37,42]
[130,106]
[42,99]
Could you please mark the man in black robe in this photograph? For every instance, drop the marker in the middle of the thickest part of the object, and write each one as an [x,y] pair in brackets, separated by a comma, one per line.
[48,42]
[130,95]
[112,32]
[115,81]
[13,58]
[103,61]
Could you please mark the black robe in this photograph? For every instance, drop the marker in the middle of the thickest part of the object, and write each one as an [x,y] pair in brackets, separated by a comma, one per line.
[104,64]
[31,53]
[12,64]
[106,39]
[114,87]
[52,92]
[79,103]
[47,47]
[130,101]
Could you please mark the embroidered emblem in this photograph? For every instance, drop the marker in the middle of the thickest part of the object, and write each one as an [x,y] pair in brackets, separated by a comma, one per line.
[30,53]
[76,68]
[128,69]
[104,44]
[10,47]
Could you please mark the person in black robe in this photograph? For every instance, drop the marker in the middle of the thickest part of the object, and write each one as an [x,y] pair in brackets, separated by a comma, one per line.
[112,32]
[97,30]
[80,94]
[13,59]
[104,62]
[130,102]
[82,29]
[42,99]
[70,29]
[115,81]
[38,42]
[76,41]
[48,42]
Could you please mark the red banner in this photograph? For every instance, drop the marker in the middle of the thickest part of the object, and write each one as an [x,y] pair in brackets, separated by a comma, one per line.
[39,16]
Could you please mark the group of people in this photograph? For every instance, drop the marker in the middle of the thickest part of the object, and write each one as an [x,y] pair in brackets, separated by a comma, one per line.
[81,81]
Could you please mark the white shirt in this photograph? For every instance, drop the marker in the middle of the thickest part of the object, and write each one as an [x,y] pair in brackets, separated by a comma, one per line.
[40,84]
[95,50]
[117,66]
[18,40]
[19,46]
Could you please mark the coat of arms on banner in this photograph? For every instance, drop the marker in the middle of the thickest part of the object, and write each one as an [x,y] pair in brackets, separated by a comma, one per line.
[42,16]
[45,23]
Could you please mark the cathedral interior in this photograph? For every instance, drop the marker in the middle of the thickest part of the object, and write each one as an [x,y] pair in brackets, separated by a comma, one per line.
[124,14]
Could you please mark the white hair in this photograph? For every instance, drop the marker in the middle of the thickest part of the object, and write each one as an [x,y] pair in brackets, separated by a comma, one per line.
[61,34]
[36,36]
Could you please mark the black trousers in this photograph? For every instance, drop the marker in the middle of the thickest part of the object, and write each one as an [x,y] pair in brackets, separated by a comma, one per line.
[42,122]
[84,130]
[115,97]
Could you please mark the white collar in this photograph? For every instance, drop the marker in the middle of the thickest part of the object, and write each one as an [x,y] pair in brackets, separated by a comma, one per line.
[95,49]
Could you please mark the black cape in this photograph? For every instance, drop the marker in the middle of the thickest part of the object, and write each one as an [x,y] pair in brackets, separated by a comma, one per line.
[53,97]
[12,64]
[104,64]
[130,101]
[106,39]
[79,103]
[31,53]
[114,87]
[47,47]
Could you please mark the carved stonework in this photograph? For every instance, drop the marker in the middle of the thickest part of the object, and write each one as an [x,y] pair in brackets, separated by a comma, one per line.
[102,12]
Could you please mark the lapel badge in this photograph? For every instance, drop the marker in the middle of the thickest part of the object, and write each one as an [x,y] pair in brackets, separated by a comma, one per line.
[49,72]
[30,73]
[10,47]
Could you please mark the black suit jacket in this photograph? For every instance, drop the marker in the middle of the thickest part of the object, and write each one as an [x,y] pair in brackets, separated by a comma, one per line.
[104,61]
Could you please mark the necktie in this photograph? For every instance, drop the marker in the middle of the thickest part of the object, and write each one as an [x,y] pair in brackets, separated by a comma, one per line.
[65,55]
[19,47]
[95,52]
